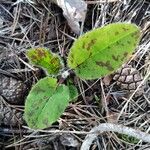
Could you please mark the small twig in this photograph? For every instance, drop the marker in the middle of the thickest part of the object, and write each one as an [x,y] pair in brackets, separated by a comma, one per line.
[6,73]
[55,131]
[11,131]
[115,128]
[28,65]
[101,1]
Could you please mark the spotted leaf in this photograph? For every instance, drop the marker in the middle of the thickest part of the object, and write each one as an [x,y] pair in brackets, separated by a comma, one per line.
[45,103]
[42,57]
[103,50]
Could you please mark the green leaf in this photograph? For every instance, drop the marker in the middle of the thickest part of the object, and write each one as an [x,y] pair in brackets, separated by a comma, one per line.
[102,51]
[128,138]
[45,103]
[73,92]
[42,57]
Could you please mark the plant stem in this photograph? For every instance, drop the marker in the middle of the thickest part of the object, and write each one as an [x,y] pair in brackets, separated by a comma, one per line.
[115,128]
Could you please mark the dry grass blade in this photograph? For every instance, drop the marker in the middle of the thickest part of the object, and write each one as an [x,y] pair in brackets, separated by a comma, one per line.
[101,1]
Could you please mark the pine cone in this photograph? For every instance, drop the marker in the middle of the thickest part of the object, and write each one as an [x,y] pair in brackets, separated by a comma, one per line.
[11,69]
[12,90]
[128,78]
[10,116]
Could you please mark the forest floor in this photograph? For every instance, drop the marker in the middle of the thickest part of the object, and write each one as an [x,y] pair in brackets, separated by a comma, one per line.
[24,25]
